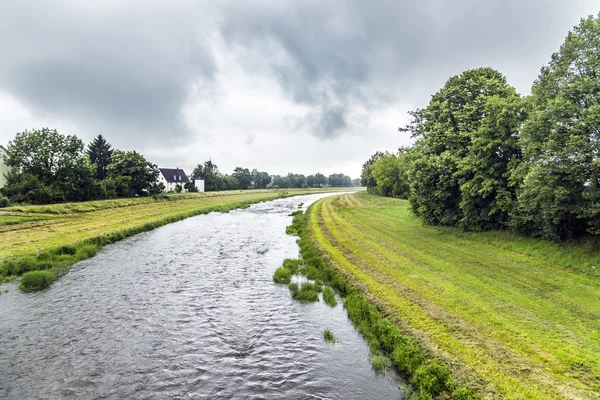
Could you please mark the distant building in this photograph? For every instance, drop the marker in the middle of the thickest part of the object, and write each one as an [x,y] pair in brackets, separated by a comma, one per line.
[171,177]
[3,166]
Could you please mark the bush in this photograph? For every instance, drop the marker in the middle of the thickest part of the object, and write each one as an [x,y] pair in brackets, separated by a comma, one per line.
[292,265]
[282,275]
[67,249]
[431,377]
[4,201]
[306,294]
[329,297]
[36,280]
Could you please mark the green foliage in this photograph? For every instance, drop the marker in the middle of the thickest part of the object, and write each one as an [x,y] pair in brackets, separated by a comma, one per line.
[243,177]
[36,280]
[465,150]
[389,175]
[209,172]
[308,293]
[47,167]
[366,177]
[329,297]
[560,192]
[292,265]
[282,275]
[380,363]
[339,180]
[260,179]
[328,336]
[431,377]
[100,151]
[141,173]
[4,201]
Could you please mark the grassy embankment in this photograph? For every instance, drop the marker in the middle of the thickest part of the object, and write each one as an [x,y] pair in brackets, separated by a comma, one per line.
[53,237]
[511,317]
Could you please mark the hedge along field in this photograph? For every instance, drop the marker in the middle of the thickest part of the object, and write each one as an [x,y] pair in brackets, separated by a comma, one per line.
[54,237]
[512,317]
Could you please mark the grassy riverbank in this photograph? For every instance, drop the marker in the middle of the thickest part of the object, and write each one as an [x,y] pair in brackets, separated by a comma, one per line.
[54,237]
[511,317]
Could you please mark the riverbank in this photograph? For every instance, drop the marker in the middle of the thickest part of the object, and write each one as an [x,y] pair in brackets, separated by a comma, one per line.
[510,317]
[54,237]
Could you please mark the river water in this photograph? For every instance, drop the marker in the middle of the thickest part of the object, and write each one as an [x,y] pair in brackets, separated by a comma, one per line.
[188,310]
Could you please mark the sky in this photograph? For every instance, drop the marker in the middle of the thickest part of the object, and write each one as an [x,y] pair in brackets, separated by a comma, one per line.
[281,86]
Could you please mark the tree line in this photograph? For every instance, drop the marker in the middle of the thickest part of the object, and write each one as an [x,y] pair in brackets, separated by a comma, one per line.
[243,178]
[485,157]
[48,167]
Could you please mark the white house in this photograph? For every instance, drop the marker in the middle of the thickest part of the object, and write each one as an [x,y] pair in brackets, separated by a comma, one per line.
[3,166]
[171,177]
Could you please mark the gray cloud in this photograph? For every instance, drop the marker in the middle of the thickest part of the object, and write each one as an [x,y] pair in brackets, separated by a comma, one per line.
[131,67]
[124,68]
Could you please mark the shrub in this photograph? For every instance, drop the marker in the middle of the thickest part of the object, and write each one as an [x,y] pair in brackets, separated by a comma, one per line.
[306,294]
[36,280]
[67,249]
[431,377]
[4,201]
[328,336]
[292,265]
[380,363]
[282,275]
[329,297]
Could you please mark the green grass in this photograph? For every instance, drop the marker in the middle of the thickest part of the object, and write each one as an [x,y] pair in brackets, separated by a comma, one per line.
[511,317]
[54,237]
[36,280]
[329,297]
[328,336]
[382,336]
[282,275]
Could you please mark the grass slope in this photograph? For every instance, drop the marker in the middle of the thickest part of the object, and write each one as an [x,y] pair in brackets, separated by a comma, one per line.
[38,237]
[512,317]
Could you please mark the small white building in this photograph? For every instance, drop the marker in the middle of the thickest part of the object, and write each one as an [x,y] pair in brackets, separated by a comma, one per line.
[171,177]
[3,166]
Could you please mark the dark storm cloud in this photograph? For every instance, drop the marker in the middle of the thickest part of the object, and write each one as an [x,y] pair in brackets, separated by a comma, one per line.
[131,66]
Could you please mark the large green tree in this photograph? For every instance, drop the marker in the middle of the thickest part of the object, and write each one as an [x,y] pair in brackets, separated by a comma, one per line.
[260,178]
[48,167]
[560,193]
[99,152]
[243,178]
[366,179]
[465,146]
[132,168]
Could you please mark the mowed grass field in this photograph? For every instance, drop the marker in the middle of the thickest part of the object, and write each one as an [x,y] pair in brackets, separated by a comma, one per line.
[31,229]
[513,317]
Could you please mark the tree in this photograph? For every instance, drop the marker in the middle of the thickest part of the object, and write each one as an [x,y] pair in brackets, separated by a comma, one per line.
[100,151]
[465,143]
[390,172]
[260,179]
[356,182]
[130,164]
[48,167]
[280,181]
[365,176]
[209,172]
[310,181]
[296,180]
[320,180]
[339,180]
[560,176]
[243,177]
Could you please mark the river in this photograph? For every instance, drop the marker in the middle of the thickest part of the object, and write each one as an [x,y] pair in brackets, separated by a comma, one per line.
[187,311]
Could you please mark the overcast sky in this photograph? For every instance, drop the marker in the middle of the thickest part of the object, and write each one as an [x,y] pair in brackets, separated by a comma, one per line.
[282,86]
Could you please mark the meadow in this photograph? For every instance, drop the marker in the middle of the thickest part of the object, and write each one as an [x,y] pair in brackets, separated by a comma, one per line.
[510,317]
[52,237]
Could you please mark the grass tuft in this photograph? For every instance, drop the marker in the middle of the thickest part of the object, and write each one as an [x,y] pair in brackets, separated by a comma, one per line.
[36,280]
[329,297]
[282,275]
[328,336]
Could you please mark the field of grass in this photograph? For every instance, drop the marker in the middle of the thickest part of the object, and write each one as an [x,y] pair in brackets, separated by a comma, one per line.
[511,317]
[45,237]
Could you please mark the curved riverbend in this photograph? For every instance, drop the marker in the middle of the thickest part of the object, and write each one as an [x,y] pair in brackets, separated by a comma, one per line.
[188,310]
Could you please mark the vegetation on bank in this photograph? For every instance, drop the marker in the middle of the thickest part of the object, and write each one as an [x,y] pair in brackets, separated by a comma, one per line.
[46,167]
[485,158]
[428,377]
[52,238]
[510,316]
